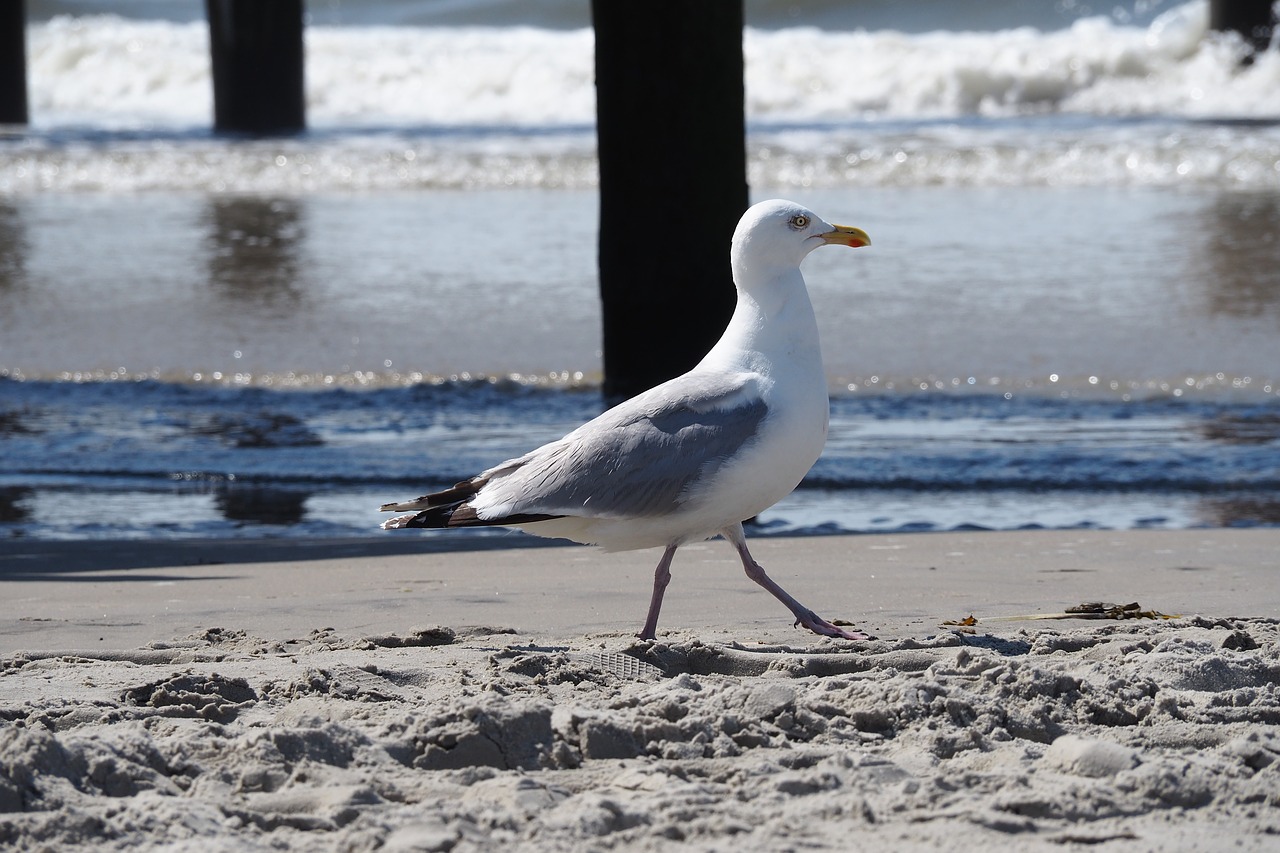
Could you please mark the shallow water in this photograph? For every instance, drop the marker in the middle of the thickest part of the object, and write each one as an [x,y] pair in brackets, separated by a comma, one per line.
[226,365]
[1130,290]
[151,458]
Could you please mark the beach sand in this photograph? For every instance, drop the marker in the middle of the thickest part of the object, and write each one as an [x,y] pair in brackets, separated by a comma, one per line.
[462,693]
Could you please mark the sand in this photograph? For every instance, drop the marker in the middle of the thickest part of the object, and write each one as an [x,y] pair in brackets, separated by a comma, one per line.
[429,693]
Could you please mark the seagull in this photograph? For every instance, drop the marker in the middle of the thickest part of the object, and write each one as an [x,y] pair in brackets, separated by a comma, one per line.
[692,458]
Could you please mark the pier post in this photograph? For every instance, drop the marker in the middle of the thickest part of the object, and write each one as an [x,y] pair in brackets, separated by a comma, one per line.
[13,62]
[1252,19]
[257,58]
[672,150]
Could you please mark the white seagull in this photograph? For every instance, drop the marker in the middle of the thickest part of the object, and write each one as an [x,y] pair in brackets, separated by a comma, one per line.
[694,457]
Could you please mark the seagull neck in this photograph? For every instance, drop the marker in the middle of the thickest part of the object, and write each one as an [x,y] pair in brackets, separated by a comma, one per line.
[772,319]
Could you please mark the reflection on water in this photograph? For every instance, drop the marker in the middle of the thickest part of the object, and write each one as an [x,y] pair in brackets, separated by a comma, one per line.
[15,422]
[262,504]
[13,247]
[254,250]
[1243,511]
[1253,428]
[261,429]
[15,503]
[1239,242]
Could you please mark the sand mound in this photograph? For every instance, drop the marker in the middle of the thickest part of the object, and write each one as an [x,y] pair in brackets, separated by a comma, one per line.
[467,739]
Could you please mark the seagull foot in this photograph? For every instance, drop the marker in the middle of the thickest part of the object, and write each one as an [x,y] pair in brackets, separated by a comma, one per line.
[818,625]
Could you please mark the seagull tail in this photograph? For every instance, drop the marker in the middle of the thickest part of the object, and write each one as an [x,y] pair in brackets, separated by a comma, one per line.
[436,517]
[458,515]
[452,508]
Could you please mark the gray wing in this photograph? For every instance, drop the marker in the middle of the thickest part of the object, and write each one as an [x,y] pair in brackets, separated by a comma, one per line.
[637,459]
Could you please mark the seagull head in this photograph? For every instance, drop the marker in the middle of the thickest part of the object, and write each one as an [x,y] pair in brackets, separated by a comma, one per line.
[778,234]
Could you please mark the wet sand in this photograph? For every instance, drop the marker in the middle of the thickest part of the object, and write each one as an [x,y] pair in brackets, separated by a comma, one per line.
[451,693]
[120,595]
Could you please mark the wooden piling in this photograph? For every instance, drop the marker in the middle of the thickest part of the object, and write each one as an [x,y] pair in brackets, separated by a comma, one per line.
[257,57]
[13,62]
[1252,19]
[671,132]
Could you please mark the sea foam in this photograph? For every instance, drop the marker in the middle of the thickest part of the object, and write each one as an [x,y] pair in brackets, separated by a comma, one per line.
[111,71]
[126,105]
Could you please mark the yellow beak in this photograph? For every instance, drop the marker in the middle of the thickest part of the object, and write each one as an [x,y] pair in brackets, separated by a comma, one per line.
[844,235]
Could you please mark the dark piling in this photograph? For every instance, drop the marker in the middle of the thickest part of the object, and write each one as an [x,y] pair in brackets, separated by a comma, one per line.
[671,132]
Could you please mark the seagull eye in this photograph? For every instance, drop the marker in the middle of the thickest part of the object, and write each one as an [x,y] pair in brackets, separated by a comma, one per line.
[799,221]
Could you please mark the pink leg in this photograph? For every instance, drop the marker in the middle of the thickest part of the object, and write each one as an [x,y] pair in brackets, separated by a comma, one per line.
[804,616]
[661,577]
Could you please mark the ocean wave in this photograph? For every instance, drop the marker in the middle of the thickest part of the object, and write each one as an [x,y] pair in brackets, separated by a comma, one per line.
[125,105]
[108,71]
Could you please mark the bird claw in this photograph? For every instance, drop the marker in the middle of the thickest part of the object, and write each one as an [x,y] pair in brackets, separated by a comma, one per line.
[818,625]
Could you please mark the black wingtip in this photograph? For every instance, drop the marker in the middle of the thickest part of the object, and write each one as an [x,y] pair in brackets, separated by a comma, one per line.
[459,515]
[436,516]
